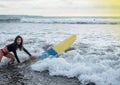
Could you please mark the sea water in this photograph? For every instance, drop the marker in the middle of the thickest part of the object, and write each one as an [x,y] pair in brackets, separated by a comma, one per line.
[96,57]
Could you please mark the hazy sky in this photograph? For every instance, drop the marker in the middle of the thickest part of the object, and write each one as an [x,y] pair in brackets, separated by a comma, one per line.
[61,7]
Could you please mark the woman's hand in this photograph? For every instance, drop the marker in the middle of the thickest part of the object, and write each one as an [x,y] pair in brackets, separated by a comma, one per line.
[33,57]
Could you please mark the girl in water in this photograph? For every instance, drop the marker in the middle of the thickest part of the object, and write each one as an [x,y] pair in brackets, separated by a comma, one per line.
[17,44]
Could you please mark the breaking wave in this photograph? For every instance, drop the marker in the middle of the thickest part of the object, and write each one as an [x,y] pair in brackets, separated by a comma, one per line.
[60,20]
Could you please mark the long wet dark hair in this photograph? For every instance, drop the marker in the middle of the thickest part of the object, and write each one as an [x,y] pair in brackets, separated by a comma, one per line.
[21,44]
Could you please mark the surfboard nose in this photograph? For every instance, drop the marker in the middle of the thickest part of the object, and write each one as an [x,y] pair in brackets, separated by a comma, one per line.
[65,44]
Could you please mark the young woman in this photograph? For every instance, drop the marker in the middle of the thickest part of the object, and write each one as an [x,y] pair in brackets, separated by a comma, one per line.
[17,44]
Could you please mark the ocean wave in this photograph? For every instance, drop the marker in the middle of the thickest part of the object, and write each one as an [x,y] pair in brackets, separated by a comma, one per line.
[10,20]
[69,20]
[61,20]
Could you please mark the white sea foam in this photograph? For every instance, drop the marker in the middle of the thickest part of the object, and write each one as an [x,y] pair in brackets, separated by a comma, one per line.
[87,68]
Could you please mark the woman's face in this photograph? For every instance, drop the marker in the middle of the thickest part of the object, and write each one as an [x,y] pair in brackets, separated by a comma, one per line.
[19,41]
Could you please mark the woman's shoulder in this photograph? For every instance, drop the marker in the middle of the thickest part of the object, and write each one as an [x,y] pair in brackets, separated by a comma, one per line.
[11,45]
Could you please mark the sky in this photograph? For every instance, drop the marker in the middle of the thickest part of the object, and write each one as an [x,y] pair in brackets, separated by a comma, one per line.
[60,7]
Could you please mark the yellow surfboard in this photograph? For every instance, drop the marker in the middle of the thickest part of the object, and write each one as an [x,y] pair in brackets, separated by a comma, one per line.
[58,48]
[65,44]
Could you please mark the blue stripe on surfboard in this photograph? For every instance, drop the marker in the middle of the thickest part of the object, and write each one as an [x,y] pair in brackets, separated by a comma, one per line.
[49,53]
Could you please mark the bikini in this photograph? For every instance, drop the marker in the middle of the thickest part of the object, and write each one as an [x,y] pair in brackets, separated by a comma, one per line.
[4,52]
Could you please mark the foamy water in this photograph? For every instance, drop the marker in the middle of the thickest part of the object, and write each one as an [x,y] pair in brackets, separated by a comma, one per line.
[96,57]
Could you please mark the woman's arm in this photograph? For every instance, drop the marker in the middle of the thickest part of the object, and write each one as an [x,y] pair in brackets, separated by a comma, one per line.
[25,50]
[16,56]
